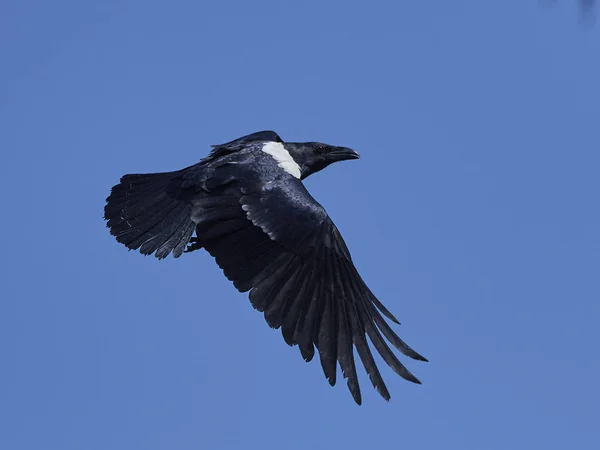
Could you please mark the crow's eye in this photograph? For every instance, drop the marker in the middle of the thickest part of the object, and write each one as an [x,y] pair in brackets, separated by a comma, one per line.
[319,149]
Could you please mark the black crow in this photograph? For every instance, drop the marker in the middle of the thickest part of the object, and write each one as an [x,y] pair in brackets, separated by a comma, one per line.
[249,209]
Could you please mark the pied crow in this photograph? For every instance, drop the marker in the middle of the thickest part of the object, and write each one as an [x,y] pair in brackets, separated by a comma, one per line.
[247,206]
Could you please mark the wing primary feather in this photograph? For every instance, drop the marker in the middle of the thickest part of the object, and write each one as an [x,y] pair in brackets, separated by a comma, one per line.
[277,311]
[230,246]
[243,260]
[261,294]
[374,335]
[304,331]
[279,294]
[380,307]
[345,348]
[385,352]
[326,335]
[252,267]
[292,316]
[392,336]
[245,278]
[359,338]
[249,261]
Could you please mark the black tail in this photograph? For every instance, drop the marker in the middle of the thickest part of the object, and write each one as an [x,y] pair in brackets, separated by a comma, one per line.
[147,211]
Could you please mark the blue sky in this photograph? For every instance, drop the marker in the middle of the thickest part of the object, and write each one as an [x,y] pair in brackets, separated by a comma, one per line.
[473,215]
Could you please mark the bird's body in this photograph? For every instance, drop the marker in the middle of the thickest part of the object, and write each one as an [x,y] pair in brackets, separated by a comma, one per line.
[249,209]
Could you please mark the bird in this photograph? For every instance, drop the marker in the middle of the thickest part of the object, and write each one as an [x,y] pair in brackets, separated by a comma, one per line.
[247,206]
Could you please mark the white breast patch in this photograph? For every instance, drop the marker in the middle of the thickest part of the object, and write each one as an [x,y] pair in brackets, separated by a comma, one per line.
[283,158]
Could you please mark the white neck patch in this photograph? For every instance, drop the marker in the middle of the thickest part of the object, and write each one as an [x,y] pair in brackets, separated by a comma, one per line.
[283,158]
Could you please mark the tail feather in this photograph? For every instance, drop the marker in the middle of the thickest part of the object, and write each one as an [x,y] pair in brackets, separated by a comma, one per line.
[148,212]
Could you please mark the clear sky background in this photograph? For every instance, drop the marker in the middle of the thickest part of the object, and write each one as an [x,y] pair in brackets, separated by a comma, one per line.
[473,214]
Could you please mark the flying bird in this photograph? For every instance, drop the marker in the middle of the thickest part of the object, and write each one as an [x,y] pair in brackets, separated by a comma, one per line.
[246,205]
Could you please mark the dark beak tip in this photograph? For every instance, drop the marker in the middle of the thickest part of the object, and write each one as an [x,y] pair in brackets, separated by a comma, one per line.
[351,154]
[341,154]
[348,153]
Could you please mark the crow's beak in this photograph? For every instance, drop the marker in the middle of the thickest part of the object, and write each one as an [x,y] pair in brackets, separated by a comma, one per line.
[342,153]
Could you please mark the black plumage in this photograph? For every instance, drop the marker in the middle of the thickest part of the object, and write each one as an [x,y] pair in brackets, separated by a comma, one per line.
[247,206]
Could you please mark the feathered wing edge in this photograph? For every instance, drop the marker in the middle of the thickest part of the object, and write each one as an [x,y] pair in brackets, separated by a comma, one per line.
[318,300]
[143,212]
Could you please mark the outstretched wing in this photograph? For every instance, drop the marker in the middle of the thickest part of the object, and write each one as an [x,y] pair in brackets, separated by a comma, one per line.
[283,247]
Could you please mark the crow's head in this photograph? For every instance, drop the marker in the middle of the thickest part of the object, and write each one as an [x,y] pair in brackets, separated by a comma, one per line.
[315,156]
